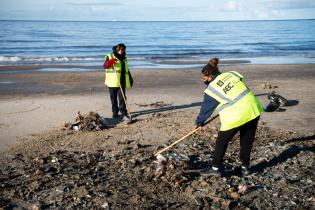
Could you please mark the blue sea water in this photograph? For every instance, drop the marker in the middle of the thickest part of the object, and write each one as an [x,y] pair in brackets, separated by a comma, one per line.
[156,44]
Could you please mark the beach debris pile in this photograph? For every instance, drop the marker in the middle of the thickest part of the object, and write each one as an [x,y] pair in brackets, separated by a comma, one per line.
[275,102]
[268,86]
[90,121]
[282,177]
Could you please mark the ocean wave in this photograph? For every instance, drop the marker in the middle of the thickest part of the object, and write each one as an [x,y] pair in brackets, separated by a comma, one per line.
[47,59]
[59,47]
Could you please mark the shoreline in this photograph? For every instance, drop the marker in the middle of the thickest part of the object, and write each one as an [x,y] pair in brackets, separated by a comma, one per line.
[179,65]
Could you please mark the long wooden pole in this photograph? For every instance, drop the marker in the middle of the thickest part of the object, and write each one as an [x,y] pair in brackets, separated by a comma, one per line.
[123,94]
[184,137]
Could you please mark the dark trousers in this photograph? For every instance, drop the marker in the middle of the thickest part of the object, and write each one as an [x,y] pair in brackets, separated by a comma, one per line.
[115,93]
[247,136]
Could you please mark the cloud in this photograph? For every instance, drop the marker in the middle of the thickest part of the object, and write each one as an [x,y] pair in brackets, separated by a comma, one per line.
[96,8]
[93,4]
[278,13]
[232,6]
[261,15]
[289,4]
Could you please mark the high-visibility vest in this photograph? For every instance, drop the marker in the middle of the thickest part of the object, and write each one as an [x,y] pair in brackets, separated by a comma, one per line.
[237,104]
[112,74]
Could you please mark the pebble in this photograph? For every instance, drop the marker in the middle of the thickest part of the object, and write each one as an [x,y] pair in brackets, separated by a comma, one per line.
[133,178]
[235,195]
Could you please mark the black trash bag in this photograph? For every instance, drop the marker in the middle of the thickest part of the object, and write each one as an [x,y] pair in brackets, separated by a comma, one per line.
[275,102]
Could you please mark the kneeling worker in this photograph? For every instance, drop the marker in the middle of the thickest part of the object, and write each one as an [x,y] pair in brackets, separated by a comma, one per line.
[238,108]
[117,78]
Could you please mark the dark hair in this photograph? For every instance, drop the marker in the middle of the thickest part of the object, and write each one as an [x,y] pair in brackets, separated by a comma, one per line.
[118,47]
[211,68]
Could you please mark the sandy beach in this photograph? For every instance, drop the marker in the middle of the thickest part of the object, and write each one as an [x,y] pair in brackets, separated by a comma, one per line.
[46,165]
[34,102]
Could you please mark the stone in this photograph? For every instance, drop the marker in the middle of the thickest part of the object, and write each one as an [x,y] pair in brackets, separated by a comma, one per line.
[117,179]
[242,189]
[235,195]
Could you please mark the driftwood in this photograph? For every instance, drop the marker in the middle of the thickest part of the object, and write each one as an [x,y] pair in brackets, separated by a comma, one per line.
[155,104]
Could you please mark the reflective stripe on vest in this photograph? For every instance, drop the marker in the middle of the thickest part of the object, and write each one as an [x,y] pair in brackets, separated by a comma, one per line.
[236,74]
[237,104]
[213,90]
[229,101]
[111,71]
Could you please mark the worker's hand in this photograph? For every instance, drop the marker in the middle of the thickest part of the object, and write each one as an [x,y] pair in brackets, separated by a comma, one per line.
[199,124]
[111,61]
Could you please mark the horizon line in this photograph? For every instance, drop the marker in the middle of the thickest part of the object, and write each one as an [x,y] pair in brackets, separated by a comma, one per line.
[157,20]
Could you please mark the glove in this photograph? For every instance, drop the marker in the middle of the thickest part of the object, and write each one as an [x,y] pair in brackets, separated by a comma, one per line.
[199,124]
[109,63]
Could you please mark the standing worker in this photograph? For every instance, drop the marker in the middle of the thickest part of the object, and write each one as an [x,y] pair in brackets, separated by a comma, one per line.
[117,74]
[238,108]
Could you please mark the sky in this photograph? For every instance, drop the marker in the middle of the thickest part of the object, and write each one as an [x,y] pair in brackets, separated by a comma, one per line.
[156,10]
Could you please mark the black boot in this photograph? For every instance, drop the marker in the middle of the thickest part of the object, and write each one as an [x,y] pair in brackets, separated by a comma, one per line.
[245,170]
[210,172]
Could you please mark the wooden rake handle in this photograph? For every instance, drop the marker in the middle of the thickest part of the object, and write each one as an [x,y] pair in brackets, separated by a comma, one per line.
[123,94]
[184,137]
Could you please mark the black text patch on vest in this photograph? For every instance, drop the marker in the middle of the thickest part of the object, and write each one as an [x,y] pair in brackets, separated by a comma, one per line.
[220,83]
[228,87]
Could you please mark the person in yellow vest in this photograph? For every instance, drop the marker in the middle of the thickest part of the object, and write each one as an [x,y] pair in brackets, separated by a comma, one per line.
[239,111]
[117,73]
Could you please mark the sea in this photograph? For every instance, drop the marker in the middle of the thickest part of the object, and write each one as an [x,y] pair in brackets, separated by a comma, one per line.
[156,44]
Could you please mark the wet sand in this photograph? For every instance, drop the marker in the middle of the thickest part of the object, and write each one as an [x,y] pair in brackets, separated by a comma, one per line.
[35,102]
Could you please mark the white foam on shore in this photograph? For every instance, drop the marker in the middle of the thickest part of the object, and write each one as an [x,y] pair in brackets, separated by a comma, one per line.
[9,59]
[64,70]
[281,60]
[45,59]
[6,82]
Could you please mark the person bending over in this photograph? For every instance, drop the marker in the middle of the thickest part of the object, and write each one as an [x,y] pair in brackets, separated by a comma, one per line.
[239,111]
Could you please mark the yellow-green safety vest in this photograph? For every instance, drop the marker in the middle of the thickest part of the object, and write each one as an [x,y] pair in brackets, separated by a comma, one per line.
[237,104]
[111,79]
